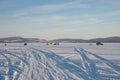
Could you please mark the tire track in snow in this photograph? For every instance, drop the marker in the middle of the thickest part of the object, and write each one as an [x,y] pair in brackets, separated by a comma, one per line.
[13,70]
[9,65]
[63,68]
[43,64]
[109,63]
[114,68]
[88,64]
[53,72]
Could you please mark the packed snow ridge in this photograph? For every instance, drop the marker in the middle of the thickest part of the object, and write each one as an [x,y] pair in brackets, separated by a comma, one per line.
[36,63]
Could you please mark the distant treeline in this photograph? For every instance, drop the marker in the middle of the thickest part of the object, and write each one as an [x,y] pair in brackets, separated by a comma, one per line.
[105,40]
[29,40]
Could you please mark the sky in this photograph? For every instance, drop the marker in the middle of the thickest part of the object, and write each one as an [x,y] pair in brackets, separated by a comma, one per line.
[54,19]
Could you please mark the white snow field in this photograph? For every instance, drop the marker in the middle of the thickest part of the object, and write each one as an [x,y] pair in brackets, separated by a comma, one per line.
[67,61]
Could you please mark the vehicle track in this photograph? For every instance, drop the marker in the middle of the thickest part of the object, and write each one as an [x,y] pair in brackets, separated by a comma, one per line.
[112,69]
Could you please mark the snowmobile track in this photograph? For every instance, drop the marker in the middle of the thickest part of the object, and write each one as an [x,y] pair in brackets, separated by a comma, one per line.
[35,63]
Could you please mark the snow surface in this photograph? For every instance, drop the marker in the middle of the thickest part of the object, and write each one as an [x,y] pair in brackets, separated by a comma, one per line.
[67,61]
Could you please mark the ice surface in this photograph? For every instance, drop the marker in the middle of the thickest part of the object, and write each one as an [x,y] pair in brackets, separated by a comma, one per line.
[67,61]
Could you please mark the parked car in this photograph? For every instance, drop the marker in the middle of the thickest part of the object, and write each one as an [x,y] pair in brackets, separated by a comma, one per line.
[99,43]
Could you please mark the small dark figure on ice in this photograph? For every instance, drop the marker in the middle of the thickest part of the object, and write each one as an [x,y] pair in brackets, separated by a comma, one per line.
[25,44]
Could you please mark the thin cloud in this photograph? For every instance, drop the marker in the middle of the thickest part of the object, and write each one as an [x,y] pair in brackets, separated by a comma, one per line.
[48,8]
[114,13]
[52,21]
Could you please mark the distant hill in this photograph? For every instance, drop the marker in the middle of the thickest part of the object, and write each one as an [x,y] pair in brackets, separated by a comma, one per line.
[68,40]
[30,40]
[108,39]
[21,39]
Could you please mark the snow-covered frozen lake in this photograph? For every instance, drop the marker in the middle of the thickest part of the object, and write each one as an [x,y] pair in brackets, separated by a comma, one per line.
[67,61]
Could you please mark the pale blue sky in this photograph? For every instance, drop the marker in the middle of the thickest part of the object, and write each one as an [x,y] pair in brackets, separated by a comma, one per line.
[53,19]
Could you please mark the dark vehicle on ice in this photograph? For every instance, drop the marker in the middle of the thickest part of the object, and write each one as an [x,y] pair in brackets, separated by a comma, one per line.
[99,43]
